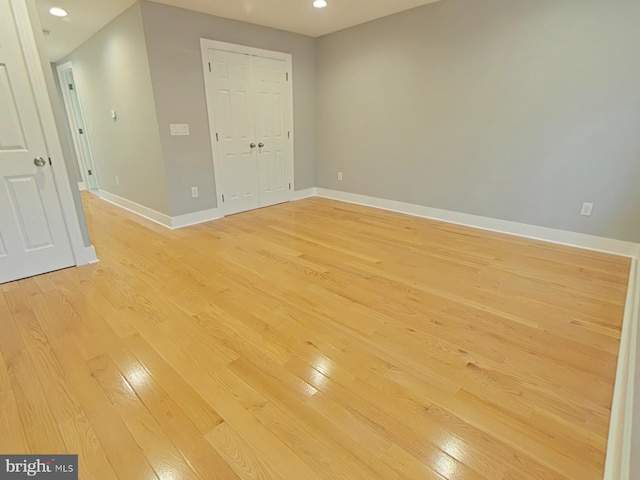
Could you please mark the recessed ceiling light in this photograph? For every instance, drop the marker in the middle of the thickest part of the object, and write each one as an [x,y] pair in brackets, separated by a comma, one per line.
[58,12]
[320,3]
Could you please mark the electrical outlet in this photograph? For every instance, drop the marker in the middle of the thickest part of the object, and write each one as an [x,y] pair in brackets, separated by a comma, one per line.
[587,208]
[118,181]
[340,176]
[194,192]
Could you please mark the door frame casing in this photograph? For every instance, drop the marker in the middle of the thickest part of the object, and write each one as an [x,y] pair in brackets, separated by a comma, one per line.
[205,46]
[82,254]
[77,142]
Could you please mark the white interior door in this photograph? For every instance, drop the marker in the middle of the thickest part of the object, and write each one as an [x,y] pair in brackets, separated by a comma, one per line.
[33,236]
[78,127]
[235,130]
[272,129]
[249,98]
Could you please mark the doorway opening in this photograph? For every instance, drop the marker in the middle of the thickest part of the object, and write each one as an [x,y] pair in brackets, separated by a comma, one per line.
[78,128]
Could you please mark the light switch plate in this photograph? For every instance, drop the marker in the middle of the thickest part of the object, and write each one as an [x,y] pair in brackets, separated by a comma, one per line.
[179,129]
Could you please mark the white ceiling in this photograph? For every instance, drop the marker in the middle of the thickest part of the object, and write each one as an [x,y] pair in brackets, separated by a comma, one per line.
[86,17]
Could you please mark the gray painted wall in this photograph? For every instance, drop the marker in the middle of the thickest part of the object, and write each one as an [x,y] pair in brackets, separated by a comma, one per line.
[173,41]
[518,110]
[112,73]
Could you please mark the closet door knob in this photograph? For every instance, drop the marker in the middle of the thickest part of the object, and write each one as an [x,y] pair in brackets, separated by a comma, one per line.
[252,145]
[260,145]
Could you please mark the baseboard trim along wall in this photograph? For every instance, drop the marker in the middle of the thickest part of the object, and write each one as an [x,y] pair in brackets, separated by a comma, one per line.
[552,235]
[87,256]
[172,223]
[306,193]
[617,466]
[619,444]
[133,207]
[620,432]
[562,237]
[195,218]
[180,221]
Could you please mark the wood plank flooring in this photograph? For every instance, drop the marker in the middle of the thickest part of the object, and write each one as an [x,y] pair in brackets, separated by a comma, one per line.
[314,340]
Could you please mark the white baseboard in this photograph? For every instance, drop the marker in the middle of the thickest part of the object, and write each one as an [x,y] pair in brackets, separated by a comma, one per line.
[573,239]
[133,207]
[86,256]
[619,446]
[617,465]
[579,240]
[172,223]
[81,186]
[195,218]
[211,214]
[306,193]
[620,432]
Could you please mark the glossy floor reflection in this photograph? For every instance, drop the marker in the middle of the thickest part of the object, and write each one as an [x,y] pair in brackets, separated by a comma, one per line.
[314,340]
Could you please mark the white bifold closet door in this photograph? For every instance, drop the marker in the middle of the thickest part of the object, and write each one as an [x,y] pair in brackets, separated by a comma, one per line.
[252,130]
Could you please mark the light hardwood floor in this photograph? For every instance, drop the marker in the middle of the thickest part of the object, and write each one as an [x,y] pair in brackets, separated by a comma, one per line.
[314,340]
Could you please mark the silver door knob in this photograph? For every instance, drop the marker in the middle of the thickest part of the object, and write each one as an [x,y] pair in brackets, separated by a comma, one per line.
[39,162]
[252,145]
[260,145]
